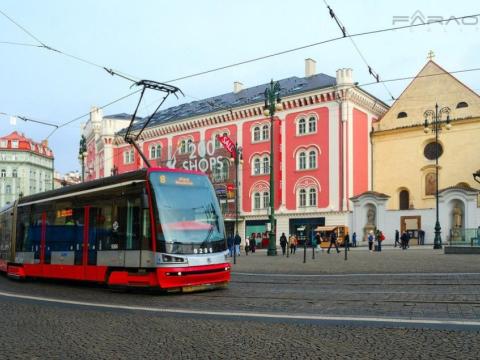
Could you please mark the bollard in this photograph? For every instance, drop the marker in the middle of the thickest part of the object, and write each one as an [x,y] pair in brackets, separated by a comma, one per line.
[313,252]
[305,251]
[346,250]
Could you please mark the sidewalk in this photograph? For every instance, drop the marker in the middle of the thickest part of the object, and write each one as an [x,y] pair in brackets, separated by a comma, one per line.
[390,260]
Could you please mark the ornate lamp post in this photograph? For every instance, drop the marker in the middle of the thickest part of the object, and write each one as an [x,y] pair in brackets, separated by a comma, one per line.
[82,154]
[272,104]
[476,176]
[436,126]
[238,158]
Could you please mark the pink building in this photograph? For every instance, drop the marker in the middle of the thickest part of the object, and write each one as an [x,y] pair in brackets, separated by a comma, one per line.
[321,141]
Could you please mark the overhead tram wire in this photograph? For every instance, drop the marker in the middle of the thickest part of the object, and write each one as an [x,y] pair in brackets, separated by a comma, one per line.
[47,47]
[365,33]
[345,34]
[87,114]
[130,77]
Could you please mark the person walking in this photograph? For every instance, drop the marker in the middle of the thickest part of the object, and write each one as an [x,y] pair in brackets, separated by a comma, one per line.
[253,243]
[318,241]
[421,237]
[230,245]
[247,246]
[397,239]
[293,244]
[346,241]
[283,243]
[370,241]
[237,240]
[354,239]
[333,241]
[380,237]
[404,239]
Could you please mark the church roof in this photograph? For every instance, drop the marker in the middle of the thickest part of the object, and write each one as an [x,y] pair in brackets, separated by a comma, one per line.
[432,85]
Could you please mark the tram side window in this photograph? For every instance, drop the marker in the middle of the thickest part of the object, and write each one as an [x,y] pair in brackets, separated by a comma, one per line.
[5,234]
[29,230]
[119,224]
[64,230]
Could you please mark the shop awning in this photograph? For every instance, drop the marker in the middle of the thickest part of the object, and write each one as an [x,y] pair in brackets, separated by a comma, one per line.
[325,228]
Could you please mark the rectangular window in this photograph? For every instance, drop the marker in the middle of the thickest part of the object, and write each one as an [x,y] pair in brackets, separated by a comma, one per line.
[15,144]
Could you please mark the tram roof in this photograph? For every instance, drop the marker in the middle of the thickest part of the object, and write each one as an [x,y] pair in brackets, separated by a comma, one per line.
[110,180]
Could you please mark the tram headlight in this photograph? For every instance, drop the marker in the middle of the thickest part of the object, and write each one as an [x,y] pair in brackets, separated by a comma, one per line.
[172,259]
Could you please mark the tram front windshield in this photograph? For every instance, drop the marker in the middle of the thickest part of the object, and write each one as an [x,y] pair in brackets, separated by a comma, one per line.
[189,220]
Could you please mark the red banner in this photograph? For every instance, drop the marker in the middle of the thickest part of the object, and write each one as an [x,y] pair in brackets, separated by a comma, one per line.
[227,144]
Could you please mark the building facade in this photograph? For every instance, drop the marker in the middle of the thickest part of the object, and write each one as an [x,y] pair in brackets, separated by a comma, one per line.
[321,148]
[26,167]
[404,154]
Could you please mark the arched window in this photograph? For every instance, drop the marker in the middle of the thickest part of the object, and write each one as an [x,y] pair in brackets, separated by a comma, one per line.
[312,159]
[265,132]
[14,173]
[256,166]
[462,104]
[3,173]
[256,133]
[266,199]
[401,115]
[266,165]
[8,189]
[158,151]
[256,200]
[301,126]
[312,124]
[302,161]
[220,172]
[312,194]
[302,198]
[152,152]
[404,200]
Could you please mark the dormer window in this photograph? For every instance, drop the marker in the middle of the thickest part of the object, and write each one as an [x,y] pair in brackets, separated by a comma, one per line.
[462,104]
[401,115]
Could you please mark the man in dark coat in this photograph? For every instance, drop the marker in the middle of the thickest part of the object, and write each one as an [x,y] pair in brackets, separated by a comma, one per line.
[333,241]
[283,243]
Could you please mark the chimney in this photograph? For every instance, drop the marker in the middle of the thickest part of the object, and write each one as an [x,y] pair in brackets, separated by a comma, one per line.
[237,87]
[310,65]
[344,77]
[45,143]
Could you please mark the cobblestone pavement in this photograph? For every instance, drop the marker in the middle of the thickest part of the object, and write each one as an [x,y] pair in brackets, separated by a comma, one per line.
[415,284]
[40,331]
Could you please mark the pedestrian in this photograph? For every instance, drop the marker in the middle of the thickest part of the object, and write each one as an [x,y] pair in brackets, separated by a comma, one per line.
[346,241]
[380,237]
[370,240]
[404,239]
[283,243]
[247,246]
[354,239]
[253,243]
[293,246]
[397,239]
[318,241]
[230,245]
[408,239]
[333,241]
[237,240]
[421,237]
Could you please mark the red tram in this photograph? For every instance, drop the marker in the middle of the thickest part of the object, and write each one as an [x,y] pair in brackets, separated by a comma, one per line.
[155,227]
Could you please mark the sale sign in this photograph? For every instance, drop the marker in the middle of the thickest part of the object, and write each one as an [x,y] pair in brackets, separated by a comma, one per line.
[228,144]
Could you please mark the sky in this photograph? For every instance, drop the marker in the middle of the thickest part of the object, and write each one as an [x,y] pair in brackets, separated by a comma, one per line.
[165,40]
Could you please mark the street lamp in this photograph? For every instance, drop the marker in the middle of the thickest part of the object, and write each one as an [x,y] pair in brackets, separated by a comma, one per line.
[476,176]
[82,154]
[272,104]
[436,126]
[238,155]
